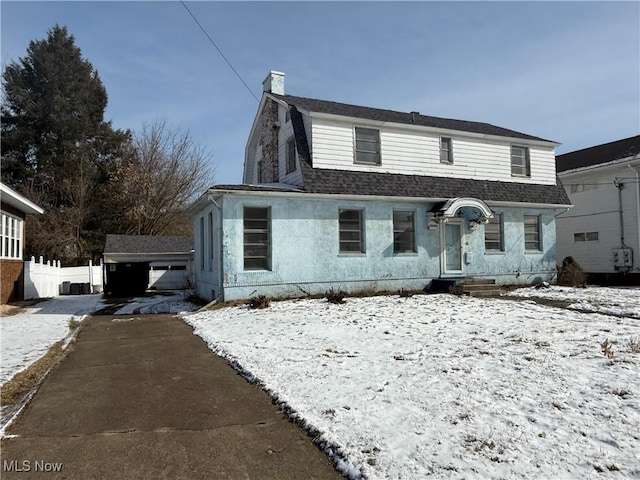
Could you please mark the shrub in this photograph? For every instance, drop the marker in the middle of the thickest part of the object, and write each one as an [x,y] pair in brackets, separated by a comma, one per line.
[405,293]
[261,301]
[634,345]
[570,274]
[335,296]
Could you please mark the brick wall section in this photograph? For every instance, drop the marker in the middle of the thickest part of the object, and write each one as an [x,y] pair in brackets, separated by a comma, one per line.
[269,142]
[11,280]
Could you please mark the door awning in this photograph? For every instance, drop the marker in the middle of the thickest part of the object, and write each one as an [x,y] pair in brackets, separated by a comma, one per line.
[449,208]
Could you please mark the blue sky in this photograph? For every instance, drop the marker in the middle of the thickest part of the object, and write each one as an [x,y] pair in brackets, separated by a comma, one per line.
[565,71]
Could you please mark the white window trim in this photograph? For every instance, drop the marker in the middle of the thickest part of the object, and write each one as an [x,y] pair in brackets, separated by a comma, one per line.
[355,149]
[449,160]
[527,160]
[8,237]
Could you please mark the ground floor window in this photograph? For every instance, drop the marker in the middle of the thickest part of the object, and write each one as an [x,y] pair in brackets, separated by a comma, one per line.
[351,232]
[493,234]
[403,232]
[10,236]
[257,238]
[532,233]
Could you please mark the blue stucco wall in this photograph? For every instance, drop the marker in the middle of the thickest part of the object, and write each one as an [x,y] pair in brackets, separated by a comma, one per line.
[305,257]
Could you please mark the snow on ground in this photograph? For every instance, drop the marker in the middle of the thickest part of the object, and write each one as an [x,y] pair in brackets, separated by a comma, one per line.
[452,387]
[28,335]
[615,301]
[160,303]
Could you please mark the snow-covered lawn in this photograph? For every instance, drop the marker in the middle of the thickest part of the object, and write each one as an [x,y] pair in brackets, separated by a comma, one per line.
[452,387]
[616,301]
[28,335]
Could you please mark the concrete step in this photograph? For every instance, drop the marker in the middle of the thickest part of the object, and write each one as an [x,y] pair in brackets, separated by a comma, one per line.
[496,292]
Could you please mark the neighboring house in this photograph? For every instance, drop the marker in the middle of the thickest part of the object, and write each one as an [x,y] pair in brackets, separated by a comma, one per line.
[136,263]
[602,231]
[356,198]
[14,211]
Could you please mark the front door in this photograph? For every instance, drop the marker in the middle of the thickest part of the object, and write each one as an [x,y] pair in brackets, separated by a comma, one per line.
[452,248]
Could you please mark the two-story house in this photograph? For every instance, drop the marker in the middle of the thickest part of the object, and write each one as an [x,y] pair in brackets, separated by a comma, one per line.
[14,209]
[602,231]
[353,198]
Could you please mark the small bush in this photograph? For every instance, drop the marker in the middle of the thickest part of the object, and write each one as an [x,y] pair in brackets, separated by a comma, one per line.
[405,293]
[607,351]
[634,345]
[570,274]
[261,301]
[335,296]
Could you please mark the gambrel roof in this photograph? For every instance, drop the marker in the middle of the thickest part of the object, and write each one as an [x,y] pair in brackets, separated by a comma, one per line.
[600,154]
[412,118]
[348,182]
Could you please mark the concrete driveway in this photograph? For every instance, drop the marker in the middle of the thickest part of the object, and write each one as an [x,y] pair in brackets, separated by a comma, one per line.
[142,397]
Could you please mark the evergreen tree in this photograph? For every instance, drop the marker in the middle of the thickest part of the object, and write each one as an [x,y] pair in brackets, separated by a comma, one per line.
[56,146]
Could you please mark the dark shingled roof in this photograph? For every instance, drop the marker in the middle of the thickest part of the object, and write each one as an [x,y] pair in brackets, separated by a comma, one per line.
[607,152]
[147,244]
[368,113]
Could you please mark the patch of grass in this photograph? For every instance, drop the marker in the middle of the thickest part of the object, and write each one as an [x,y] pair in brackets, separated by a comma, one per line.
[23,382]
[634,345]
[607,351]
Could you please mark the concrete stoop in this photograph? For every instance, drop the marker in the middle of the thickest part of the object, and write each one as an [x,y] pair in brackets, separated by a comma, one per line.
[480,287]
[475,287]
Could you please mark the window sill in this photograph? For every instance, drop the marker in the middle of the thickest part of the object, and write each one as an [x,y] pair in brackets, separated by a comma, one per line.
[532,252]
[494,252]
[354,254]
[520,175]
[379,164]
[405,254]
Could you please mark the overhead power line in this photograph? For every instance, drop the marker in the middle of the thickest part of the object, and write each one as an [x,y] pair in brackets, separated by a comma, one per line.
[218,49]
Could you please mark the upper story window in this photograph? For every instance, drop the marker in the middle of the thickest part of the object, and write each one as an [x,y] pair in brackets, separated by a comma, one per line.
[10,236]
[350,232]
[291,155]
[446,153]
[520,163]
[257,238]
[493,234]
[532,241]
[367,145]
[403,232]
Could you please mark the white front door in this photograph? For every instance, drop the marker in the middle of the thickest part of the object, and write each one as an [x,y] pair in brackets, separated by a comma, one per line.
[451,233]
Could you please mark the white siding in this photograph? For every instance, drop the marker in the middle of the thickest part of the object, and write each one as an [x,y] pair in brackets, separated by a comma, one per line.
[286,132]
[417,152]
[597,210]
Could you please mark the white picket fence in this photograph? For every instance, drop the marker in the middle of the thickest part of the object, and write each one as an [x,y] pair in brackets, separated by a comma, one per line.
[50,279]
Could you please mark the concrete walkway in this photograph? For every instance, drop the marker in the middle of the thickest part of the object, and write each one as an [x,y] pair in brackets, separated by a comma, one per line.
[141,397]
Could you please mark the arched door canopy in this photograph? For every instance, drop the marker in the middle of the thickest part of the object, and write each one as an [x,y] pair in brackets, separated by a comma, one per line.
[451,207]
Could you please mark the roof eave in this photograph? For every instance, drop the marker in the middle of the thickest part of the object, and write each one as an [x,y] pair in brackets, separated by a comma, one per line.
[13,198]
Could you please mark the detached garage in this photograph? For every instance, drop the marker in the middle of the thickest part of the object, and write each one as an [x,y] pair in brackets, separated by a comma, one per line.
[134,264]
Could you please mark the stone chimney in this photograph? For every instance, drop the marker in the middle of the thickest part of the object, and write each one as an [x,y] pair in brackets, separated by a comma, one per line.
[274,83]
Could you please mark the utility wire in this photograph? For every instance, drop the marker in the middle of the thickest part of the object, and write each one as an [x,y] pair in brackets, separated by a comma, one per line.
[218,49]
